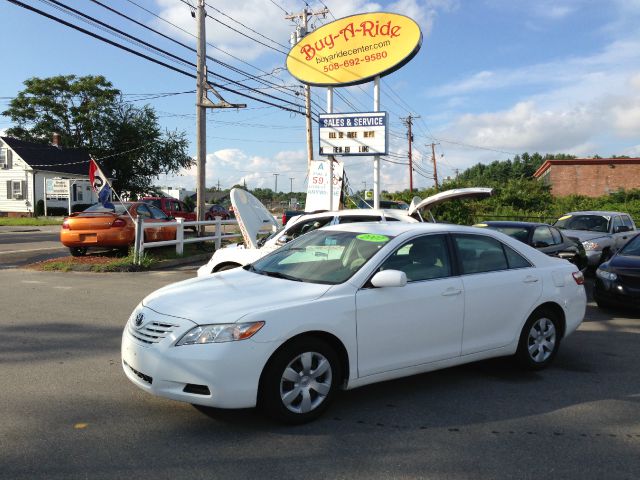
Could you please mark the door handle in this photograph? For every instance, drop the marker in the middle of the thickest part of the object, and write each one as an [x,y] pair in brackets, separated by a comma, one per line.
[451,291]
[530,279]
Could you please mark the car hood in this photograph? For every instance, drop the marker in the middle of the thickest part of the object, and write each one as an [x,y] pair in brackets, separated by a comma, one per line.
[625,264]
[252,216]
[228,296]
[448,195]
[584,235]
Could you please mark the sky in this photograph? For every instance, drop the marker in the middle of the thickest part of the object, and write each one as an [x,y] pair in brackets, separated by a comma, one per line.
[494,78]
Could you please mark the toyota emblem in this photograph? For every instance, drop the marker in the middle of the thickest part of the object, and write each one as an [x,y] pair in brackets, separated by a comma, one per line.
[139,319]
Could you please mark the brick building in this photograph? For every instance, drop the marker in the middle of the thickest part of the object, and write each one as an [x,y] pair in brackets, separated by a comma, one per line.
[591,177]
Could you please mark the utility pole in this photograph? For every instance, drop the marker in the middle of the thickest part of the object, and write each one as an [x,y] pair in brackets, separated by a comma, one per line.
[435,167]
[409,123]
[202,103]
[218,184]
[291,179]
[276,175]
[296,36]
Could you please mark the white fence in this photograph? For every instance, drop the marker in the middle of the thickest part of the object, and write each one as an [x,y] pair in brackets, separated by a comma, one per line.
[140,245]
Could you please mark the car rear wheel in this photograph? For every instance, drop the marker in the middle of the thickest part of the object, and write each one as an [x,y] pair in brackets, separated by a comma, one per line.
[78,251]
[300,381]
[539,340]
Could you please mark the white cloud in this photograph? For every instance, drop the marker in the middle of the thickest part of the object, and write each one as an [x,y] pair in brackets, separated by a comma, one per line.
[267,19]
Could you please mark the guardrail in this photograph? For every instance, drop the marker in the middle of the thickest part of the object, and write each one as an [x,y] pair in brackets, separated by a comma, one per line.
[140,225]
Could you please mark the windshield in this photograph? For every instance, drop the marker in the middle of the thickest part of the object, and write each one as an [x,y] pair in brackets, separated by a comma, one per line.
[321,256]
[631,249]
[592,223]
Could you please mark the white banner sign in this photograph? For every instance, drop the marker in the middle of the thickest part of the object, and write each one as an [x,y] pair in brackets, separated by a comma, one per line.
[349,134]
[57,187]
[318,186]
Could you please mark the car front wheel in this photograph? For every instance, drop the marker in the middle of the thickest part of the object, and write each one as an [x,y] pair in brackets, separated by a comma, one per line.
[539,340]
[300,381]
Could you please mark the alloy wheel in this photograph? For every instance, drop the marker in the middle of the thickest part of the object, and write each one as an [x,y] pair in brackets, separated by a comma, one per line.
[542,340]
[305,382]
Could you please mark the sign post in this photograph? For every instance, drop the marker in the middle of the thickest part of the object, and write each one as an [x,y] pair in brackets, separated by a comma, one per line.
[351,51]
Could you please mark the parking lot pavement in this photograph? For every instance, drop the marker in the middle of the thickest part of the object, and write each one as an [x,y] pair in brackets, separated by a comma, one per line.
[68,411]
[21,246]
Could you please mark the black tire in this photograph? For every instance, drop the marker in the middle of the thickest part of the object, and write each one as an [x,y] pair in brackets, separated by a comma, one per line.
[539,340]
[604,305]
[78,251]
[275,388]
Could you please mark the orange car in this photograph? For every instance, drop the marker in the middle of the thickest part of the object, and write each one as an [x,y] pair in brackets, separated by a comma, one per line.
[100,227]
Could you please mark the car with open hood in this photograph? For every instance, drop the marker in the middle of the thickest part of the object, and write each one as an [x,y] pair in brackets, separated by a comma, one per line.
[349,305]
[254,219]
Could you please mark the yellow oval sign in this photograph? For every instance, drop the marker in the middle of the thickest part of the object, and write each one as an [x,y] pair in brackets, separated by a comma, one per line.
[355,49]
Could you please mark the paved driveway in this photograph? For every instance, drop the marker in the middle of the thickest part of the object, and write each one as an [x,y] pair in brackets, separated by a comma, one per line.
[68,412]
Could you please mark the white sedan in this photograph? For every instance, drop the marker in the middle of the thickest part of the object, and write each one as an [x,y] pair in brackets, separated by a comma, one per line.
[349,305]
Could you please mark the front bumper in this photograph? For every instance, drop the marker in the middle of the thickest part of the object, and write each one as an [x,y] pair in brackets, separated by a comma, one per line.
[230,371]
[593,257]
[616,293]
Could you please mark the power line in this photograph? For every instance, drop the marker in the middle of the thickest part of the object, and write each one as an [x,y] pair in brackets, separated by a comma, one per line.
[242,24]
[151,59]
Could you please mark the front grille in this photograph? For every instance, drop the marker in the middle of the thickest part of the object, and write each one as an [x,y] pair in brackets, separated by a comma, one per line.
[140,375]
[152,332]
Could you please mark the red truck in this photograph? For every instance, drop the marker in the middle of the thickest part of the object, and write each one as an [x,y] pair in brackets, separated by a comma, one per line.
[172,207]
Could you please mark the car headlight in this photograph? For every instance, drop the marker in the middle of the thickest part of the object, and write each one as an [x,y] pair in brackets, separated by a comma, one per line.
[606,275]
[223,332]
[591,245]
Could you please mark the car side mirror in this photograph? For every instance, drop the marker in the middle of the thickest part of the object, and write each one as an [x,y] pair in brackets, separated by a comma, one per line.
[621,228]
[389,278]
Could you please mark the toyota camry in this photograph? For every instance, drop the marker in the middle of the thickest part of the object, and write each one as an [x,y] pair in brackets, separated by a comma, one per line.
[346,306]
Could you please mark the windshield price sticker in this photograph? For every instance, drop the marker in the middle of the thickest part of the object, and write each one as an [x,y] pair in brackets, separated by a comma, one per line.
[372,237]
[353,133]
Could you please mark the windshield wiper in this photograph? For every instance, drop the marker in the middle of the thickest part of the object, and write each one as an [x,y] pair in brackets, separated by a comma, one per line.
[278,275]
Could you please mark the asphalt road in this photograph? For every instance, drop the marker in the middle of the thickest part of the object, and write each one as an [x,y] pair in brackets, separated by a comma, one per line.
[68,412]
[21,246]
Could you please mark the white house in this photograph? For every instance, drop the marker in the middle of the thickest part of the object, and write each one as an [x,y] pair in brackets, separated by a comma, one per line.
[25,168]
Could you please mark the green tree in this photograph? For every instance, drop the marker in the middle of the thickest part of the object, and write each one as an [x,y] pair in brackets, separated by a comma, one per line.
[88,112]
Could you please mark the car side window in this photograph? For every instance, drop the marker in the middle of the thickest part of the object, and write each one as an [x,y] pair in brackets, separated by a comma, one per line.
[617,222]
[157,213]
[542,237]
[303,227]
[143,211]
[422,258]
[626,220]
[514,259]
[358,218]
[480,254]
[557,236]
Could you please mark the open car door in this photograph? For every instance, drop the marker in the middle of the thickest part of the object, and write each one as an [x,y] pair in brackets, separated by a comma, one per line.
[252,216]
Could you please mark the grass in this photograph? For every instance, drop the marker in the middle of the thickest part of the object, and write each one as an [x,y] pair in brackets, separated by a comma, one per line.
[110,262]
[30,221]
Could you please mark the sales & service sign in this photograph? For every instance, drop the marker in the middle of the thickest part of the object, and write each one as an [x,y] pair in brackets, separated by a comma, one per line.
[355,49]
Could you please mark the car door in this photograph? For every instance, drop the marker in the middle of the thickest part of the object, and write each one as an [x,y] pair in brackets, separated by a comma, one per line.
[416,324]
[500,289]
[162,232]
[543,240]
[621,234]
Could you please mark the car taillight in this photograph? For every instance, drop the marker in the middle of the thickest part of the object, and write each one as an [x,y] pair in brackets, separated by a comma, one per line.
[578,277]
[118,222]
[65,225]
